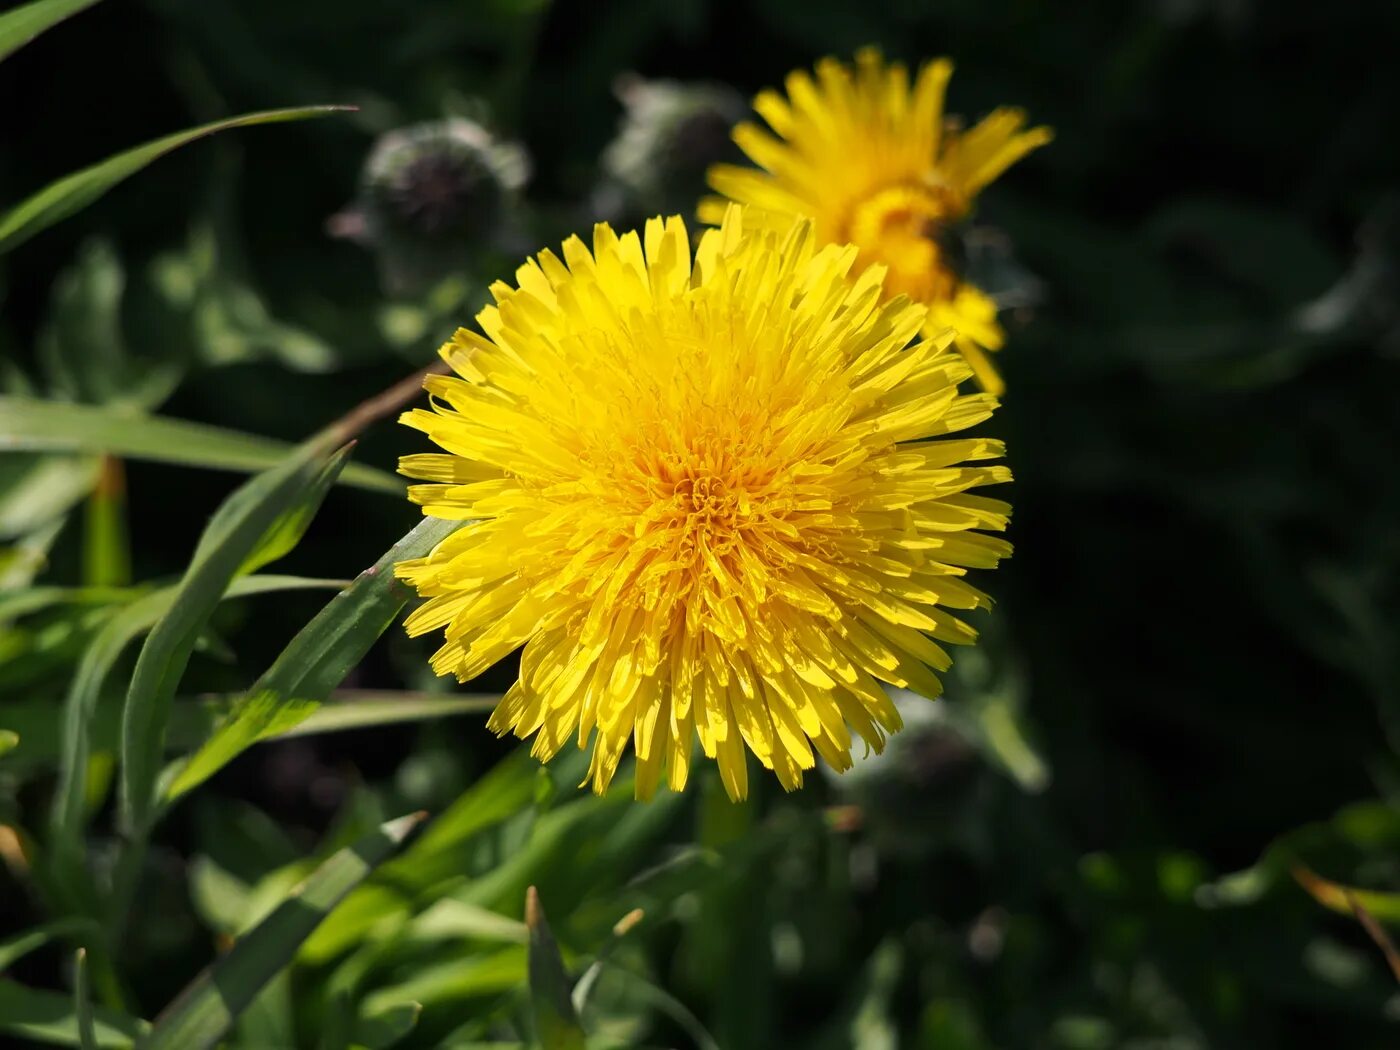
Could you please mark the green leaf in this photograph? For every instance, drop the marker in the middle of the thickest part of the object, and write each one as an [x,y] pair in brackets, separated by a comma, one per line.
[386,1027]
[492,799]
[23,24]
[82,1003]
[71,194]
[336,1017]
[9,740]
[106,548]
[80,720]
[28,556]
[82,346]
[230,542]
[645,992]
[589,980]
[355,710]
[256,716]
[29,423]
[316,660]
[36,490]
[208,291]
[193,720]
[455,920]
[1343,899]
[14,948]
[551,1002]
[14,604]
[203,1012]
[49,1017]
[449,984]
[291,524]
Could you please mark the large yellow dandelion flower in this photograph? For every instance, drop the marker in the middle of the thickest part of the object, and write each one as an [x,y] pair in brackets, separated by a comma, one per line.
[865,154]
[710,498]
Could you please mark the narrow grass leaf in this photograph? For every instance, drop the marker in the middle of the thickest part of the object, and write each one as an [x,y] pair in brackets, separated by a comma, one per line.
[451,985]
[386,1027]
[316,660]
[680,1014]
[23,24]
[290,525]
[32,424]
[336,1017]
[58,200]
[83,728]
[237,530]
[439,854]
[14,604]
[201,1015]
[106,547]
[37,490]
[449,919]
[551,1002]
[49,1017]
[194,719]
[1343,899]
[364,710]
[584,988]
[12,949]
[82,1003]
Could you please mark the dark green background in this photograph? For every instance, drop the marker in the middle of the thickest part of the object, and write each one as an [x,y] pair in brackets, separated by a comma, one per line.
[1199,623]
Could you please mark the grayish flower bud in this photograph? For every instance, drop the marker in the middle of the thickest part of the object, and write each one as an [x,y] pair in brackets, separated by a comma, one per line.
[429,194]
[671,132]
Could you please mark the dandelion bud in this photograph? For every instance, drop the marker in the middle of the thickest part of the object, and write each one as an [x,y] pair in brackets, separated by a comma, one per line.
[670,134]
[429,194]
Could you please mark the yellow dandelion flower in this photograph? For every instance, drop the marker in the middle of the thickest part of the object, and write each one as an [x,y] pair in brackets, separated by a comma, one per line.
[865,154]
[710,497]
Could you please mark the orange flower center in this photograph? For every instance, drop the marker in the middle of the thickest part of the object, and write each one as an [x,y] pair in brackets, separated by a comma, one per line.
[901,227]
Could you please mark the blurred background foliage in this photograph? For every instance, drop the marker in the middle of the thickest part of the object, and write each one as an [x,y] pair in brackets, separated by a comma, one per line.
[1190,686]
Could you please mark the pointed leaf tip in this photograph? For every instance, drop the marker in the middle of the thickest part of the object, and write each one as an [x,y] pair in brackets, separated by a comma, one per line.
[556,1021]
[534,914]
[628,922]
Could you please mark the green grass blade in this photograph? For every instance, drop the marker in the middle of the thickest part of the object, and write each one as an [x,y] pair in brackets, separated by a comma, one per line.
[106,545]
[32,424]
[237,530]
[12,949]
[350,711]
[316,660]
[291,524]
[585,984]
[58,200]
[194,719]
[551,1000]
[80,722]
[14,604]
[203,1012]
[23,24]
[1344,899]
[387,1027]
[82,1003]
[49,1017]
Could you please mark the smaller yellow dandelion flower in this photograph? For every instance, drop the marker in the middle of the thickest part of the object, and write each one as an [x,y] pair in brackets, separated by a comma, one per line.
[866,155]
[711,496]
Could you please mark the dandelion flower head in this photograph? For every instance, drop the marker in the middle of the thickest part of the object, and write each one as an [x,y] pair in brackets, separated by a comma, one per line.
[867,156]
[712,496]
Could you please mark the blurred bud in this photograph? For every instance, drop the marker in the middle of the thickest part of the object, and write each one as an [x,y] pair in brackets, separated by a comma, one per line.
[670,134]
[429,194]
[985,257]
[925,791]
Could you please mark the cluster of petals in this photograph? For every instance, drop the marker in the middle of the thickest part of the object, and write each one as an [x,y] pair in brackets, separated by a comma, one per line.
[711,491]
[867,153]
